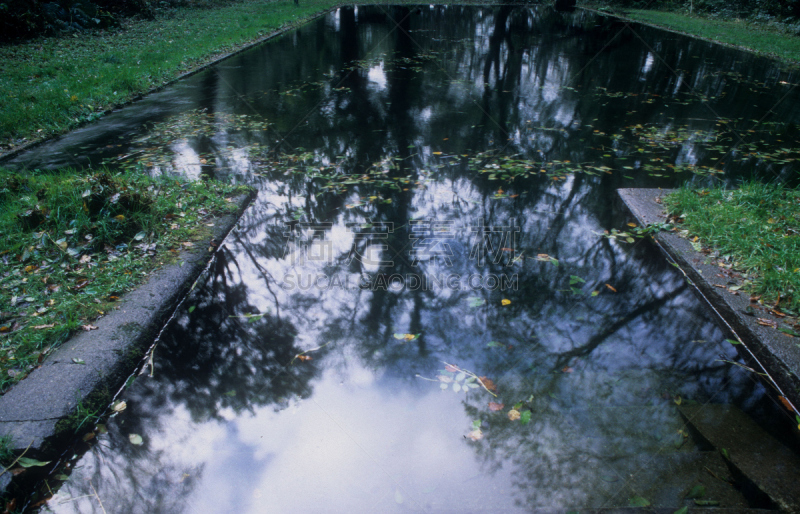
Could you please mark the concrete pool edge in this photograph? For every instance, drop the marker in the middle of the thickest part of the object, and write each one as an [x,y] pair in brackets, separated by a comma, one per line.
[14,151]
[83,375]
[778,354]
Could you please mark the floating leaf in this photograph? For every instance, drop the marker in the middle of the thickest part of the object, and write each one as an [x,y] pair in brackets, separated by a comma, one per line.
[732,341]
[494,406]
[514,414]
[488,384]
[475,301]
[456,387]
[136,439]
[505,301]
[476,435]
[576,280]
[638,501]
[494,344]
[78,361]
[119,406]
[613,290]
[525,418]
[192,308]
[405,337]
[27,462]
[231,393]
[697,491]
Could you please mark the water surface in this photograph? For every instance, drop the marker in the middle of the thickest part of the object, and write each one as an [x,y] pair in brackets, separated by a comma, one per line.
[421,311]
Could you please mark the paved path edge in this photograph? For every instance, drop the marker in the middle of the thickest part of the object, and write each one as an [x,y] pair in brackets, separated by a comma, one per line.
[776,353]
[82,376]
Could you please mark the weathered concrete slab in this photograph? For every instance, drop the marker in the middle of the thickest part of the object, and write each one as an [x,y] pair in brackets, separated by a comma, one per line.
[777,353]
[768,464]
[84,373]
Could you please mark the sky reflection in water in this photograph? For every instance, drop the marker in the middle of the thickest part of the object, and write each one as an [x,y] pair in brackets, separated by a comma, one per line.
[598,337]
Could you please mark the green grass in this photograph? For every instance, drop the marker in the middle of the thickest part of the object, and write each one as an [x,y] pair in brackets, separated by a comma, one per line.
[53,84]
[755,228]
[73,245]
[758,37]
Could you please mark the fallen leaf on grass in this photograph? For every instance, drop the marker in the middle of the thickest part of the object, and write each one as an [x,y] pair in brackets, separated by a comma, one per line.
[39,327]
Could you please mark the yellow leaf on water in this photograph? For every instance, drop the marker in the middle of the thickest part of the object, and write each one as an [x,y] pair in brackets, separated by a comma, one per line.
[513,414]
[437,153]
[506,301]
[476,435]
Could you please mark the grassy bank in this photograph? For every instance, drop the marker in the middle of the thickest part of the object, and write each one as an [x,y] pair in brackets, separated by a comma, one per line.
[755,229]
[73,245]
[52,85]
[761,38]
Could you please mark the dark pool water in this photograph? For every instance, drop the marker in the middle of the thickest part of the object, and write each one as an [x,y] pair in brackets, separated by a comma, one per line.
[421,311]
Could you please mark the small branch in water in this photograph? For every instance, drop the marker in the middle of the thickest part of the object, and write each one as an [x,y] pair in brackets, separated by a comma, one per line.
[307,351]
[473,375]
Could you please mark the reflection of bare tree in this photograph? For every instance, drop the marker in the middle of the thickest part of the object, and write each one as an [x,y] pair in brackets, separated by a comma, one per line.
[405,85]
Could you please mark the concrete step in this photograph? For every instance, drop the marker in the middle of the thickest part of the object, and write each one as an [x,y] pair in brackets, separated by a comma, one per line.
[759,460]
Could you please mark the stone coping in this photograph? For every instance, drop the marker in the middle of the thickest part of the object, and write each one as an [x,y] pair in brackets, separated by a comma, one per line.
[84,374]
[774,352]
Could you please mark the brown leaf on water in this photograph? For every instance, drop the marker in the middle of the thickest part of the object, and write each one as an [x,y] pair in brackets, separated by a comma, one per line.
[786,403]
[304,358]
[611,287]
[494,406]
[451,368]
[488,384]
